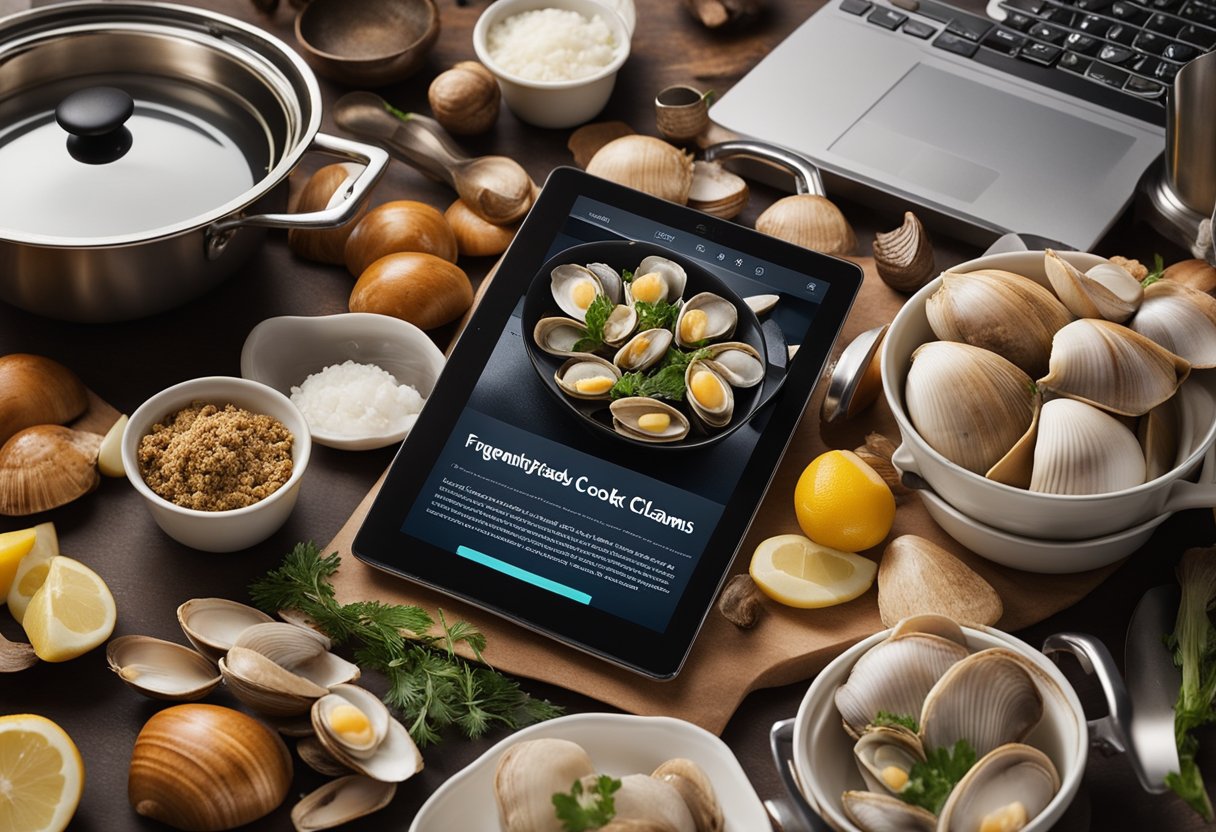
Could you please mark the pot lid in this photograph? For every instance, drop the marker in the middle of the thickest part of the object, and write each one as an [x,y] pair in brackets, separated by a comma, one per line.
[129,121]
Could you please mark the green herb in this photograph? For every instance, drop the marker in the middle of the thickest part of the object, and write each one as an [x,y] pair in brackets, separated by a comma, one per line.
[897,720]
[401,114]
[428,682]
[596,317]
[1155,275]
[581,810]
[930,782]
[626,276]
[657,315]
[1194,645]
[665,381]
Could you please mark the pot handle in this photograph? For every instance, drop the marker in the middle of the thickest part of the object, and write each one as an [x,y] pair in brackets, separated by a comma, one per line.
[909,474]
[374,160]
[1111,733]
[781,743]
[1185,494]
[806,175]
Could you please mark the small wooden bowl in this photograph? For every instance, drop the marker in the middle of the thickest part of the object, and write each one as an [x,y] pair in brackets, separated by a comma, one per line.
[367,42]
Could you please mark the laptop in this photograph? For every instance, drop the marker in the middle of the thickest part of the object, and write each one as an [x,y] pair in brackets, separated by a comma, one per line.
[1036,117]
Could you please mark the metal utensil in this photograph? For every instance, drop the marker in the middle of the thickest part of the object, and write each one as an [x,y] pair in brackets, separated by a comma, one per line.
[1152,682]
[781,743]
[855,379]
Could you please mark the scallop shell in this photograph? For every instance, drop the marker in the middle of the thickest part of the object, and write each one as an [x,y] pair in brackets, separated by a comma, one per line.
[1083,450]
[46,466]
[1000,311]
[557,336]
[1106,291]
[643,351]
[584,367]
[341,801]
[213,624]
[1112,367]
[737,362]
[702,380]
[1181,319]
[987,698]
[705,317]
[570,284]
[967,403]
[669,282]
[647,164]
[873,812]
[161,669]
[627,411]
[882,747]
[393,757]
[1007,774]
[903,258]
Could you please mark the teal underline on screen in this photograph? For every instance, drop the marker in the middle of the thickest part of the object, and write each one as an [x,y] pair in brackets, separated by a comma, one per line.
[523,575]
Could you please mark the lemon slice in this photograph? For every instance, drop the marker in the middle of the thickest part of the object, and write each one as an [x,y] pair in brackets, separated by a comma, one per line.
[41,775]
[31,570]
[13,547]
[841,502]
[71,613]
[799,572]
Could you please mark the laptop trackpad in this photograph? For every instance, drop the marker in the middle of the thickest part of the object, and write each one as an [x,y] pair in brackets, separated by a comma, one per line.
[949,133]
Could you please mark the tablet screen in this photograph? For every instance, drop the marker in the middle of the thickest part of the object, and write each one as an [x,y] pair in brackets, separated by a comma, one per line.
[533,505]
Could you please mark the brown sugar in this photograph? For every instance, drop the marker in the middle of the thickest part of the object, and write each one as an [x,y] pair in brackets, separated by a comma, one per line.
[216,458]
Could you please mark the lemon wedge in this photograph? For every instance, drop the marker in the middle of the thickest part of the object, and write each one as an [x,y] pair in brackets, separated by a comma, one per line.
[109,456]
[71,613]
[31,570]
[798,572]
[841,502]
[41,775]
[13,547]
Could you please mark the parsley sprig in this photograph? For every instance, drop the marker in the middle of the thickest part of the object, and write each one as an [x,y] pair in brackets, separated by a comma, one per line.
[891,720]
[930,782]
[594,320]
[657,315]
[1156,273]
[432,685]
[666,382]
[582,809]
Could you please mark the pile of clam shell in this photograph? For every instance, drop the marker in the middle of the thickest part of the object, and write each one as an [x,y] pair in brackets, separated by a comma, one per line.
[704,323]
[285,672]
[989,698]
[1071,392]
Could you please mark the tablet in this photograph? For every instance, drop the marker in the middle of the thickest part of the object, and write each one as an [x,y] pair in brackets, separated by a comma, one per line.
[532,503]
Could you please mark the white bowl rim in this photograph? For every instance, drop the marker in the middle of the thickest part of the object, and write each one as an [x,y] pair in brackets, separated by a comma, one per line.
[297,468]
[504,8]
[899,410]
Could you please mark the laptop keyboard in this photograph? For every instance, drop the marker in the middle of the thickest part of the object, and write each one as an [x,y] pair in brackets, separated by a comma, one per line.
[1118,54]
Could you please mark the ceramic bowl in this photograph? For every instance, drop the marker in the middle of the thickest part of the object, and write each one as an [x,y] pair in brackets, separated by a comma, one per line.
[367,43]
[1026,513]
[554,103]
[281,352]
[823,752]
[219,531]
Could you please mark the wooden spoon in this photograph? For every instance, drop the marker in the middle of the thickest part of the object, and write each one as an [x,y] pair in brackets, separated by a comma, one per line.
[15,656]
[495,187]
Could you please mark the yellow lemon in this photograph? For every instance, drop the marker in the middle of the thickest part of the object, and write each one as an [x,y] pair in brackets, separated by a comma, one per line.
[799,572]
[13,547]
[41,775]
[31,571]
[842,503]
[71,613]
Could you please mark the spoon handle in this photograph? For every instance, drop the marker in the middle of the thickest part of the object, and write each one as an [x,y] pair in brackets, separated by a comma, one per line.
[422,142]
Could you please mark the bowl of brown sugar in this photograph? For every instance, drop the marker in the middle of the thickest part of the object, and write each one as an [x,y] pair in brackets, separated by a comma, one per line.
[218,460]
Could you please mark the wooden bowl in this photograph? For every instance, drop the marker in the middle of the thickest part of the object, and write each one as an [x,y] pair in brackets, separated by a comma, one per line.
[367,42]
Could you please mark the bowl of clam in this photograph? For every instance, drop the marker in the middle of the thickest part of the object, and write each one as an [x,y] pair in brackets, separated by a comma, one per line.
[1055,396]
[647,347]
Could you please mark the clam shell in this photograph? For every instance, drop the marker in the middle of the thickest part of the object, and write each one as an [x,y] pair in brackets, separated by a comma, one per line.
[161,669]
[761,303]
[1181,319]
[1000,311]
[583,367]
[671,280]
[46,466]
[1106,291]
[527,776]
[1009,773]
[395,758]
[557,336]
[627,411]
[987,698]
[933,624]
[737,362]
[37,390]
[1158,432]
[1083,450]
[694,785]
[647,164]
[643,351]
[266,687]
[314,754]
[903,258]
[622,321]
[873,812]
[705,317]
[894,676]
[969,404]
[1112,367]
[881,747]
[715,414]
[810,221]
[372,708]
[303,651]
[213,624]
[567,281]
[650,800]
[341,801]
[610,280]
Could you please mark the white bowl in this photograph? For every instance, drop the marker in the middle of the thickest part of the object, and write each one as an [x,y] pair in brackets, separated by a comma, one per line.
[281,352]
[554,103]
[823,752]
[618,744]
[1023,512]
[219,531]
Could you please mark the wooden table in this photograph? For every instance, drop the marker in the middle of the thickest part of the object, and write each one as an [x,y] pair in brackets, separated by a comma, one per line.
[150,574]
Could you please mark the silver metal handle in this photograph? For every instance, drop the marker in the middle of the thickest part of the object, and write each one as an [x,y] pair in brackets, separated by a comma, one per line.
[781,743]
[806,175]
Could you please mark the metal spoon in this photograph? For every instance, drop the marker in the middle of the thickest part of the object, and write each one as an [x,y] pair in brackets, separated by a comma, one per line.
[495,187]
[15,656]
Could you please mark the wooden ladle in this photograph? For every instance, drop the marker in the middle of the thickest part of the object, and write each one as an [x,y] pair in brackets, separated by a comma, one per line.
[15,656]
[495,187]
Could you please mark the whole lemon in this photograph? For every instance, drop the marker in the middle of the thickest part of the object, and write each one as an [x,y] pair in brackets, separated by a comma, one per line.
[842,503]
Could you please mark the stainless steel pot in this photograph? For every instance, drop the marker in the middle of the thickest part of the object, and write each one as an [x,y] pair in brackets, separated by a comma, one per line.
[144,150]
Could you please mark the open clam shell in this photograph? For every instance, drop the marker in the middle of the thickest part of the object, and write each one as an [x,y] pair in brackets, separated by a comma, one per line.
[648,420]
[643,351]
[875,812]
[213,624]
[885,755]
[709,395]
[622,321]
[737,362]
[341,801]
[705,317]
[694,785]
[351,718]
[574,287]
[657,279]
[392,759]
[1107,290]
[1181,319]
[610,280]
[1083,450]
[527,776]
[557,336]
[1006,789]
[161,669]
[301,650]
[265,686]
[587,376]
[46,466]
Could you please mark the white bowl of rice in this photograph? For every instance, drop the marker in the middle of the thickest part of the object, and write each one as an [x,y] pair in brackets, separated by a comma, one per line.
[360,379]
[556,60]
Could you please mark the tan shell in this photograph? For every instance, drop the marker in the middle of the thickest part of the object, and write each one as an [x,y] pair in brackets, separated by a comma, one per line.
[903,258]
[1009,773]
[874,812]
[267,687]
[933,624]
[46,466]
[1083,450]
[715,416]
[694,785]
[1181,319]
[465,98]
[645,798]
[1112,367]
[213,624]
[527,776]
[916,576]
[1158,432]
[717,191]
[762,303]
[987,698]
[301,650]
[314,754]
[564,280]
[161,669]
[809,221]
[647,164]
[35,390]
[882,747]
[557,336]
[622,321]
[581,367]
[1106,290]
[643,350]
[392,757]
[738,362]
[476,237]
[717,319]
[586,141]
[672,273]
[627,411]
[341,801]
[1198,274]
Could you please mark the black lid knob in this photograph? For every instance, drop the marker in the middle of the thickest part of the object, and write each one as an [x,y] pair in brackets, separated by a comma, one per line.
[95,116]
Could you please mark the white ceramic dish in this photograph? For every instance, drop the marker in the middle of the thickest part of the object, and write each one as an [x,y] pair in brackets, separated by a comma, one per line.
[619,744]
[823,752]
[555,103]
[1026,513]
[281,352]
[219,531]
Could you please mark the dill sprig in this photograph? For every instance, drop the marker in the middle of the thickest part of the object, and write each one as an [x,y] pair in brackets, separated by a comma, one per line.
[429,682]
